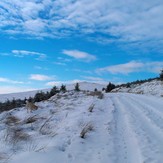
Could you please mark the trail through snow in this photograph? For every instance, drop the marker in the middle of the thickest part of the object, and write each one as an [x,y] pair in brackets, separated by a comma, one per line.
[128,128]
[139,129]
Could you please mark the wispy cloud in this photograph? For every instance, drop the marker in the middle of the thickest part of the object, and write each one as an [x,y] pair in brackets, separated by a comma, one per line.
[94,79]
[23,53]
[60,63]
[79,55]
[6,80]
[40,77]
[132,66]
[131,21]
[40,68]
[81,71]
[58,83]
[64,59]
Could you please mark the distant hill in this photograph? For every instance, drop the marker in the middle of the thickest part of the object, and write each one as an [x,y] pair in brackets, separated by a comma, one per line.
[23,95]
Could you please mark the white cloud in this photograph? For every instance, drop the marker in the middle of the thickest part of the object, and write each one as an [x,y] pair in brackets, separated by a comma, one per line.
[133,66]
[64,59]
[79,55]
[40,77]
[60,63]
[115,21]
[37,25]
[125,68]
[6,80]
[22,53]
[58,83]
[81,71]
[40,68]
[93,79]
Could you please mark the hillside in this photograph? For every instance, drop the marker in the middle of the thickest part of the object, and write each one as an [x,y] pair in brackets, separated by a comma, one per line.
[154,87]
[23,95]
[119,128]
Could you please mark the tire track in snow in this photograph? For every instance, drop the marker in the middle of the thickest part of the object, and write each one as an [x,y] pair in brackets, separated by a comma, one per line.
[104,110]
[150,137]
[154,102]
[126,145]
[155,116]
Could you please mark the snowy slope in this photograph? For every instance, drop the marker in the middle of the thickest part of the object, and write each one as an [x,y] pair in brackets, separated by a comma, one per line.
[86,86]
[20,95]
[23,95]
[154,87]
[127,128]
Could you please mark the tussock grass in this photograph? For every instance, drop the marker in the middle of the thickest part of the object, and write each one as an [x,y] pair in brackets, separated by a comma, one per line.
[31,119]
[90,109]
[99,94]
[15,135]
[3,156]
[87,128]
[45,128]
[12,120]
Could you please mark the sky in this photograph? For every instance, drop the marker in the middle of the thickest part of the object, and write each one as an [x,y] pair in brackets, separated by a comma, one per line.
[52,42]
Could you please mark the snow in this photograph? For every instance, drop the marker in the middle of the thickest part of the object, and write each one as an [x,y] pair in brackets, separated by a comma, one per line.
[20,95]
[154,87]
[127,128]
[23,95]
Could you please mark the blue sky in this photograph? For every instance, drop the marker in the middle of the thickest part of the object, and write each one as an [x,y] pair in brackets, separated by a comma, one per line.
[46,42]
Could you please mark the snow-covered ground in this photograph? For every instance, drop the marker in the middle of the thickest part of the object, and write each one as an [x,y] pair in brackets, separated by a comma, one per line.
[23,95]
[20,95]
[122,128]
[154,87]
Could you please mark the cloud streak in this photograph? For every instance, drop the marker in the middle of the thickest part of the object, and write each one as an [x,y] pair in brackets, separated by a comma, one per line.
[132,66]
[23,53]
[58,83]
[40,77]
[79,55]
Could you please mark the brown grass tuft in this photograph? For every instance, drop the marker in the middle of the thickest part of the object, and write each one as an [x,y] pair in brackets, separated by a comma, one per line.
[12,120]
[31,119]
[90,109]
[87,128]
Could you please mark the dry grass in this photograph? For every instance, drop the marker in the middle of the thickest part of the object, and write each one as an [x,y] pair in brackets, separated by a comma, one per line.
[53,111]
[33,146]
[3,157]
[45,128]
[31,119]
[99,94]
[31,107]
[12,120]
[87,128]
[14,135]
[139,92]
[90,109]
